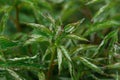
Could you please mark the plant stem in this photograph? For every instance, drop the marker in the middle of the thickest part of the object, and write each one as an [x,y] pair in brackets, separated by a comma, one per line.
[51,66]
[17,19]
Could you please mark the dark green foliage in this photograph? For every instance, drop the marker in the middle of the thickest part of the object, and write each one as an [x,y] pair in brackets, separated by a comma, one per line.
[59,40]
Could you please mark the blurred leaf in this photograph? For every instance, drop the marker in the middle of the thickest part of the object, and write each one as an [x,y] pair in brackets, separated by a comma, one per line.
[72,36]
[14,74]
[22,65]
[4,19]
[65,52]
[59,56]
[24,58]
[57,1]
[6,43]
[113,66]
[101,10]
[68,10]
[41,76]
[35,39]
[73,26]
[104,42]
[42,28]
[90,65]
[101,26]
[92,1]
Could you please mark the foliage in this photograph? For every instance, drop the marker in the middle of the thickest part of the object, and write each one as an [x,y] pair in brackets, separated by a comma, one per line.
[59,40]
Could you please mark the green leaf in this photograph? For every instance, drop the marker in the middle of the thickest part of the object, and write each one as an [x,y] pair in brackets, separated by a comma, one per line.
[92,1]
[68,10]
[41,76]
[72,36]
[41,28]
[101,10]
[104,42]
[14,74]
[90,65]
[59,56]
[84,47]
[46,53]
[35,39]
[57,1]
[3,22]
[73,26]
[49,18]
[6,43]
[65,52]
[101,26]
[21,65]
[70,69]
[113,66]
[4,8]
[24,58]
[2,56]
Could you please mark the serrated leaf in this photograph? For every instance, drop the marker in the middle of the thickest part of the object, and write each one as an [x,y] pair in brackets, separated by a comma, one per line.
[104,42]
[90,65]
[35,39]
[72,36]
[43,29]
[22,65]
[24,58]
[59,57]
[73,26]
[65,52]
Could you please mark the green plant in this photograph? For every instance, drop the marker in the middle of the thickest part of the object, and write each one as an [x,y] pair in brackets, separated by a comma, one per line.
[59,40]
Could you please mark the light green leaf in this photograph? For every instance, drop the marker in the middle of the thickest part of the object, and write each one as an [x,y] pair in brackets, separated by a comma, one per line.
[14,74]
[22,65]
[59,56]
[101,26]
[41,76]
[3,22]
[70,69]
[72,36]
[65,52]
[46,53]
[34,39]
[104,42]
[57,1]
[24,58]
[113,66]
[41,28]
[73,26]
[92,1]
[90,65]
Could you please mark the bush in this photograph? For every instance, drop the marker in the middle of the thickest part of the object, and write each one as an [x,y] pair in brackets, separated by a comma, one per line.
[59,40]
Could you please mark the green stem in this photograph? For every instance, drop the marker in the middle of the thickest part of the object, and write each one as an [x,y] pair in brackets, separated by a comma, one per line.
[17,18]
[51,66]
